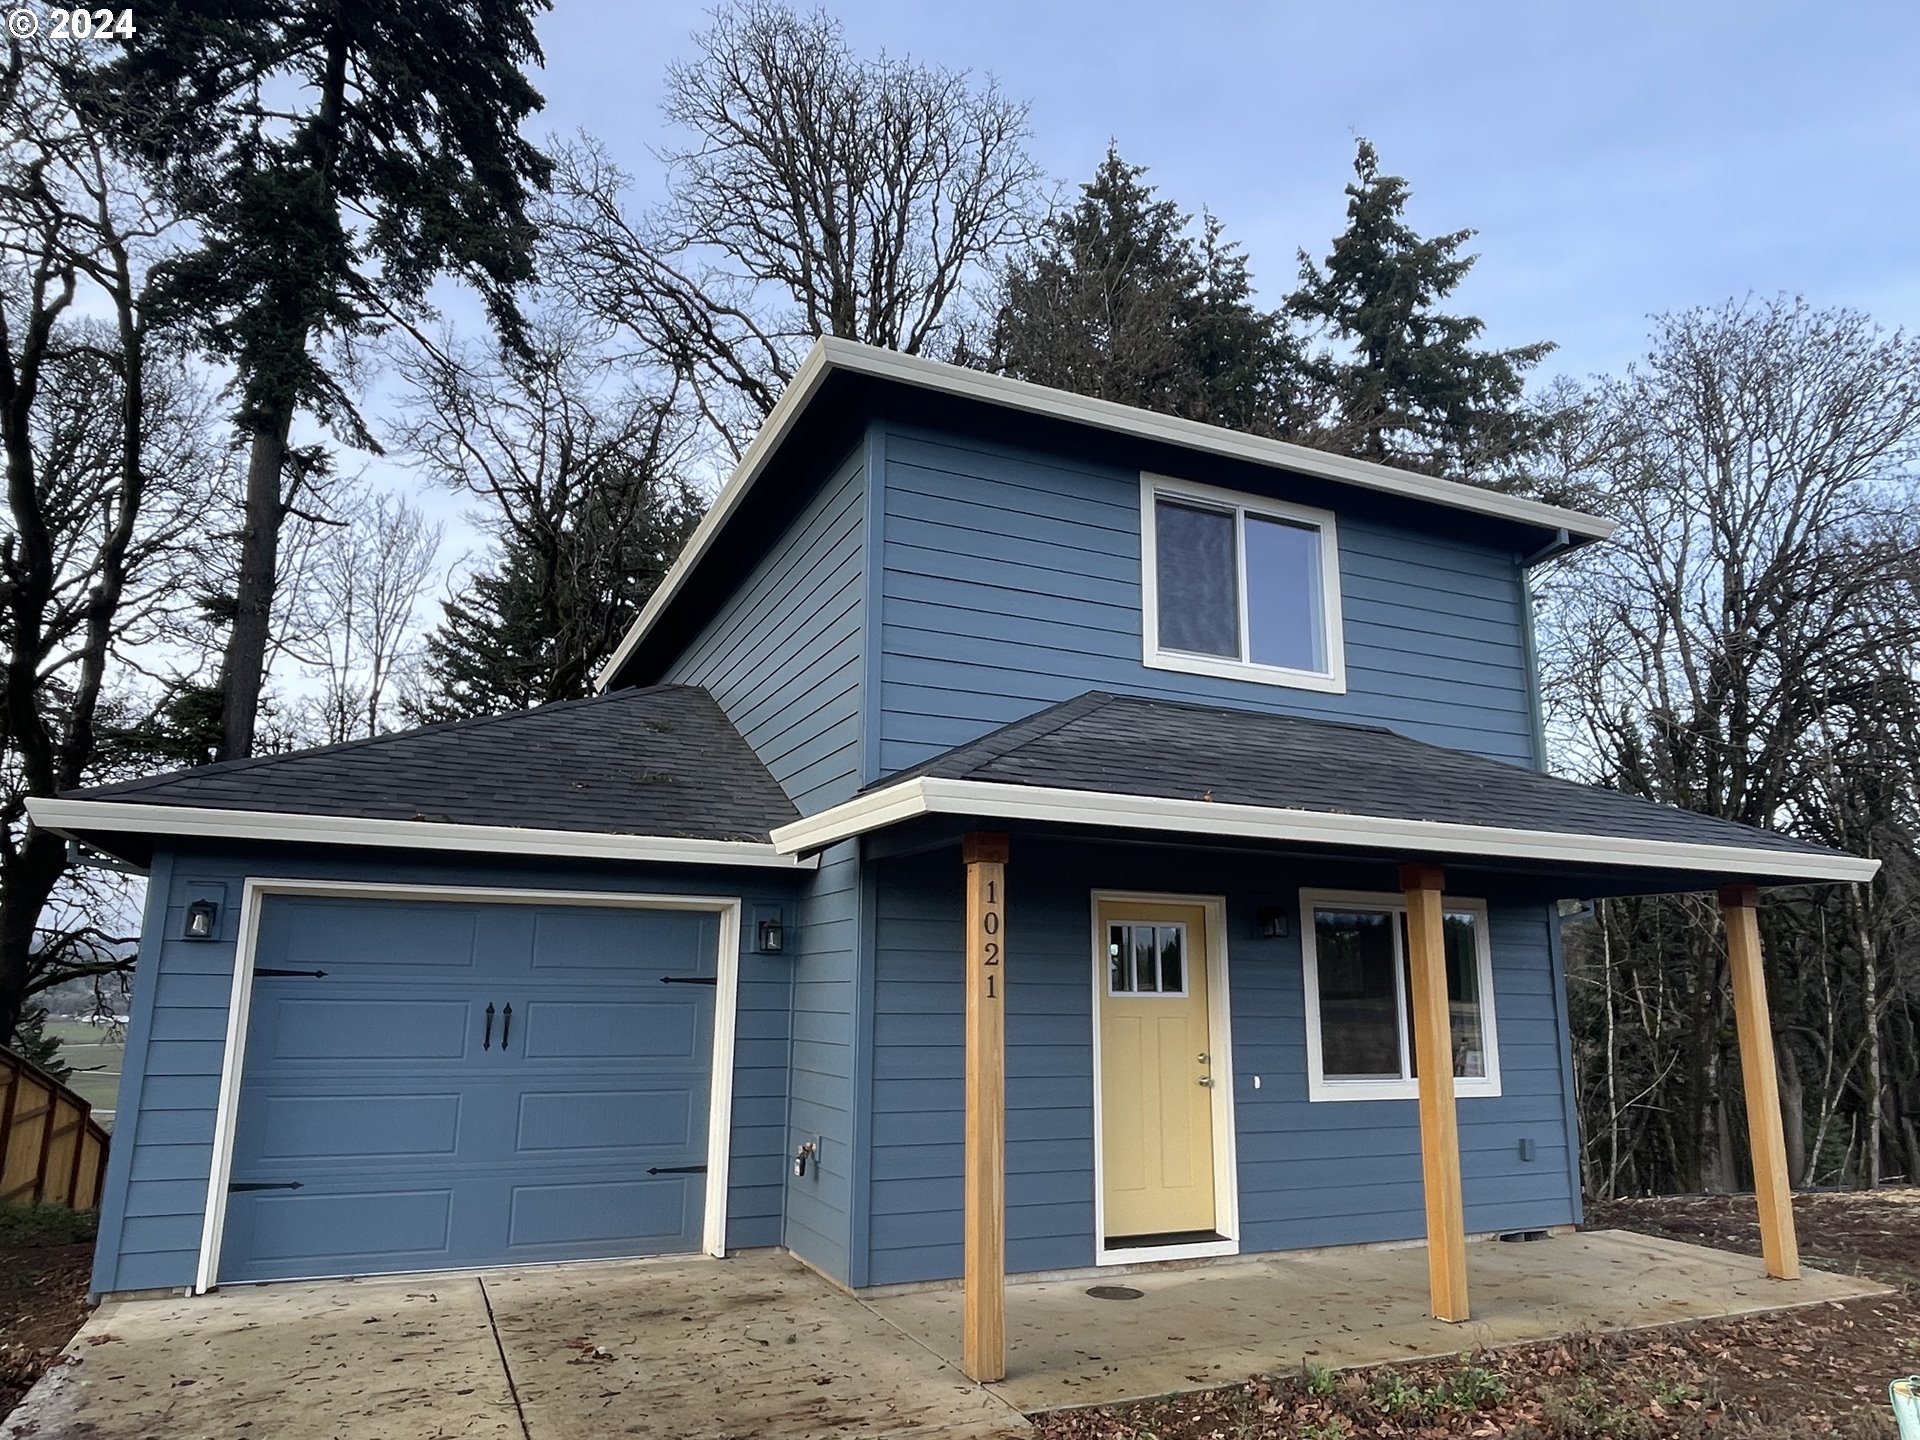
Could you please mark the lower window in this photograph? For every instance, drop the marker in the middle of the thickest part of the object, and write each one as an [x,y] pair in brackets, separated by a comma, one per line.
[1359,994]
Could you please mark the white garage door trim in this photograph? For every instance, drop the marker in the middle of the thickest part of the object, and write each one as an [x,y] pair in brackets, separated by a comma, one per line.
[233,1058]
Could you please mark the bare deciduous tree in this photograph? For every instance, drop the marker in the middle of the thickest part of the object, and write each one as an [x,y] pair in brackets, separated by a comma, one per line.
[1725,653]
[361,593]
[108,476]
[820,193]
[581,473]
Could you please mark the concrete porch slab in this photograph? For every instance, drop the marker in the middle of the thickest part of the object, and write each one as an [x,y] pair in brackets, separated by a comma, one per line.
[693,1349]
[700,1349]
[1196,1328]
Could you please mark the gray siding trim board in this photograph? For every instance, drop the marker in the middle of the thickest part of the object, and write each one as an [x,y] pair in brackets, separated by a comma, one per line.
[865,1100]
[875,538]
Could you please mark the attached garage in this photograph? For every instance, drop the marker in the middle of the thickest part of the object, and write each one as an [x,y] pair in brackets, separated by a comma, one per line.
[504,991]
[435,1081]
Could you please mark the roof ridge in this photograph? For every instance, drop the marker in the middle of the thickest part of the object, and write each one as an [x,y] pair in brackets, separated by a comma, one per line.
[1063,714]
[468,722]
[1002,740]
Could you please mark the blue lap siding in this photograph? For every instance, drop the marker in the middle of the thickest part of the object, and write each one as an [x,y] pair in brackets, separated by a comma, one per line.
[156,1194]
[1325,1173]
[786,657]
[1011,581]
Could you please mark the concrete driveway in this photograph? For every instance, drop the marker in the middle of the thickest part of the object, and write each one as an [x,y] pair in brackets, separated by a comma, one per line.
[693,1349]
[758,1345]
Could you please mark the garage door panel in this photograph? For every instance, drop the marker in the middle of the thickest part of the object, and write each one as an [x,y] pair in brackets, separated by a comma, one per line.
[392,937]
[307,1028]
[627,1216]
[671,942]
[337,1127]
[404,1144]
[319,1230]
[658,1032]
[665,1118]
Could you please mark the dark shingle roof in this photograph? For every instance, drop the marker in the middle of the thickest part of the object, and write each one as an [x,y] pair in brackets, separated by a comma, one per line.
[1164,749]
[660,761]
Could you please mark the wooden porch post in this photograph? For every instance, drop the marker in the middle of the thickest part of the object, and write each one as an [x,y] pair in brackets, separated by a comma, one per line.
[1439,1122]
[1778,1246]
[983,1343]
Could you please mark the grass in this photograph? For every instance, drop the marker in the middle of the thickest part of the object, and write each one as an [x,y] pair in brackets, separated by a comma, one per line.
[94,1052]
[30,1226]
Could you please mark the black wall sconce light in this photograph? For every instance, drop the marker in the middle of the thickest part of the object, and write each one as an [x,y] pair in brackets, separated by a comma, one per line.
[772,938]
[1274,924]
[203,920]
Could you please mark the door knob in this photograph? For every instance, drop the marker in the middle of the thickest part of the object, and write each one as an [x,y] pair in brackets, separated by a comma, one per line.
[1204,1058]
[1207,1080]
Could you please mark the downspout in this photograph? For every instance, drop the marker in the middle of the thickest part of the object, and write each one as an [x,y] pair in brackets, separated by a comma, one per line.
[1560,544]
[1556,955]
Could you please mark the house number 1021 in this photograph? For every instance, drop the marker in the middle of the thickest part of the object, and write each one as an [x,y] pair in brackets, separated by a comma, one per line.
[990,937]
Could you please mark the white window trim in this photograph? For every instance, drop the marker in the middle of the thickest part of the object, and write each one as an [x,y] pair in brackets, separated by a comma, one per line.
[1319,1087]
[1333,680]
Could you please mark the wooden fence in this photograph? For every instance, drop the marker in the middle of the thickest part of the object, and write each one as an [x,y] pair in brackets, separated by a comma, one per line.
[52,1150]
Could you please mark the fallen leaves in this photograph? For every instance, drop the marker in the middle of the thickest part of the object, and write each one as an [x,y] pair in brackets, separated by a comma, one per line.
[1820,1371]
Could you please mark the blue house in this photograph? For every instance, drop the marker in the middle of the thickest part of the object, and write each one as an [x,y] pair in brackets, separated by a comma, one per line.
[1022,833]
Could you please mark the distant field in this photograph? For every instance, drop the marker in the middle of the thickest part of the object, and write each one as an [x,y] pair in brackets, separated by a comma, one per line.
[94,1052]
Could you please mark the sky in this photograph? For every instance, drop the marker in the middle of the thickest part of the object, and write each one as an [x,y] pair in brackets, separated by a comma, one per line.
[1618,160]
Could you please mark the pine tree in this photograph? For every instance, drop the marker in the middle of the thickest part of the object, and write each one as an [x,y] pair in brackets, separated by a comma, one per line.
[385,153]
[1412,387]
[1120,300]
[538,626]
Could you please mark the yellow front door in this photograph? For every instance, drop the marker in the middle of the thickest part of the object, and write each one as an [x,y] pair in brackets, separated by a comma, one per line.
[1156,1072]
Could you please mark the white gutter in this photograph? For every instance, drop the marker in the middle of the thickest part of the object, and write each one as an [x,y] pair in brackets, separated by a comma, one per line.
[76,819]
[830,354]
[929,796]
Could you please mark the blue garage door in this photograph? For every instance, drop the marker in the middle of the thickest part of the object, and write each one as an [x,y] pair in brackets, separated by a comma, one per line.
[433,1084]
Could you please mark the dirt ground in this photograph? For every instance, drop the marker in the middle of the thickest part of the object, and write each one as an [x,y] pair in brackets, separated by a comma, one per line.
[1812,1372]
[45,1255]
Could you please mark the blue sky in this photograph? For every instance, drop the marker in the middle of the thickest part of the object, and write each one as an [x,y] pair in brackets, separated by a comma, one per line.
[1617,159]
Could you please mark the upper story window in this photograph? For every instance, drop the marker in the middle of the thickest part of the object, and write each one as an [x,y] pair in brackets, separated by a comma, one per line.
[1359,997]
[1240,586]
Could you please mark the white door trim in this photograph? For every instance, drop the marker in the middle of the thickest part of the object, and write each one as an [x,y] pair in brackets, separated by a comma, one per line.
[1226,1170]
[233,1057]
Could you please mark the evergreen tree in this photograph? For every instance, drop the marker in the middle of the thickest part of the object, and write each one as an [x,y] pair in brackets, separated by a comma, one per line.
[1412,387]
[1120,299]
[538,626]
[336,157]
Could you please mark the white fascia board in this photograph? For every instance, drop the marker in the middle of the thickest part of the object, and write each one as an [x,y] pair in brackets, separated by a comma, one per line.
[75,819]
[929,796]
[905,801]
[829,354]
[1044,400]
